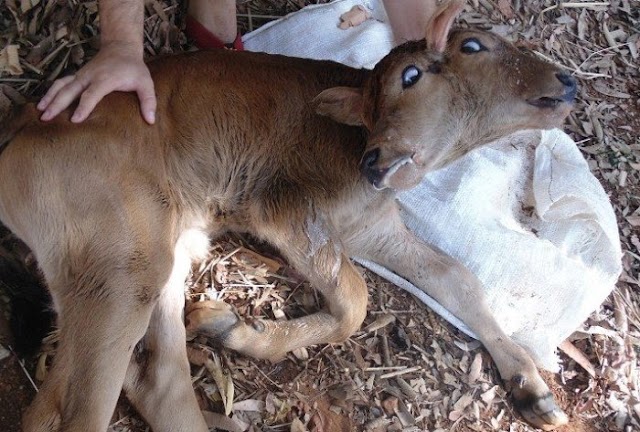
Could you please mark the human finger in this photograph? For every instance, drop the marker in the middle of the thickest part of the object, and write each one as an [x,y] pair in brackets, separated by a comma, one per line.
[90,98]
[57,85]
[148,103]
[63,99]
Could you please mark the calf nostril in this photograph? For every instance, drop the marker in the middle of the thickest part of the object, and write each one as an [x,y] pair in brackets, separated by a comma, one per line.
[566,79]
[370,158]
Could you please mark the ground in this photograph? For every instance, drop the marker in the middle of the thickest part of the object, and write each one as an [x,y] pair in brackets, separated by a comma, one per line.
[407,369]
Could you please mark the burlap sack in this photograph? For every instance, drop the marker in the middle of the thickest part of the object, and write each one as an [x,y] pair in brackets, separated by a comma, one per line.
[524,214]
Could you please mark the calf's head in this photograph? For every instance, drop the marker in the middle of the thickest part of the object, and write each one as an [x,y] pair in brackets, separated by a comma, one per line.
[430,102]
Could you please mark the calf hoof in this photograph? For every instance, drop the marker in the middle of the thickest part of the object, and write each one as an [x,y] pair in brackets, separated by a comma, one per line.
[541,412]
[213,319]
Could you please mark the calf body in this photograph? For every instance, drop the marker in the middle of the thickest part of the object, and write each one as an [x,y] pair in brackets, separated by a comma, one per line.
[111,207]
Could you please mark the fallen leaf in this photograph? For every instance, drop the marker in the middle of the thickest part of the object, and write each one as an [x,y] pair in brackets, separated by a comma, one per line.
[475,370]
[27,5]
[506,9]
[10,60]
[570,349]
[297,426]
[197,357]
[633,220]
[382,321]
[390,405]
[488,396]
[223,381]
[219,421]
[249,405]
[4,353]
[464,401]
[607,91]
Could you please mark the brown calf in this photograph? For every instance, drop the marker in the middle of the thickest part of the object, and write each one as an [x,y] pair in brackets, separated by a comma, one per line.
[111,207]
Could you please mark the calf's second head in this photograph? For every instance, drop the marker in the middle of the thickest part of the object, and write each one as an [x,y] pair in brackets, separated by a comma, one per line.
[430,102]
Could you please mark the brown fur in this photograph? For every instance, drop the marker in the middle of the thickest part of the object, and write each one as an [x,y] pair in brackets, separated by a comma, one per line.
[113,207]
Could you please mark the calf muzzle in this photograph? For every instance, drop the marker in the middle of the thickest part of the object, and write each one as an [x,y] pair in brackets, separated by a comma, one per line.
[369,168]
[566,94]
[378,175]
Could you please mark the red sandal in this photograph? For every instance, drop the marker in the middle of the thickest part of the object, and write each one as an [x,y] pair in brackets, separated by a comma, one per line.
[204,39]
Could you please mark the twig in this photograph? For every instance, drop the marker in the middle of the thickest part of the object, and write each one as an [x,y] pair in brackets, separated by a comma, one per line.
[31,67]
[385,350]
[248,284]
[393,312]
[562,5]
[384,368]
[214,262]
[24,369]
[116,423]
[266,376]
[19,80]
[209,265]
[52,55]
[401,372]
[575,71]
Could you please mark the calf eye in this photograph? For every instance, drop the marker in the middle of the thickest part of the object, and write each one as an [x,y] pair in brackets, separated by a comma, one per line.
[410,76]
[472,46]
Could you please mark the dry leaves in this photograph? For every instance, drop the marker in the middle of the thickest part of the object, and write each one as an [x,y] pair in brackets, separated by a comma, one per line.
[10,61]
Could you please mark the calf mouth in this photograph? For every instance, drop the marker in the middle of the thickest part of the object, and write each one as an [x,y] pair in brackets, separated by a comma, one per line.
[380,177]
[569,87]
[553,101]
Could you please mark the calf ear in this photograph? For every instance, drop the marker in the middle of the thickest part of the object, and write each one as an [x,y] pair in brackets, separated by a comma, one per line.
[343,104]
[440,24]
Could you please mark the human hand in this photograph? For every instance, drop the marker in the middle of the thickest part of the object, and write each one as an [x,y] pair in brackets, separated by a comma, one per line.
[116,67]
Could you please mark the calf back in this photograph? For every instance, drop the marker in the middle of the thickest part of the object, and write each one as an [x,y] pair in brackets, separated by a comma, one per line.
[237,136]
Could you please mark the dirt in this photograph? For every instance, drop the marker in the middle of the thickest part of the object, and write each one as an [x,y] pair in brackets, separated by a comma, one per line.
[15,389]
[16,393]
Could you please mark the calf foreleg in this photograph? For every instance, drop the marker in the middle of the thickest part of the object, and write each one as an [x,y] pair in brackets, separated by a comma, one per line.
[390,244]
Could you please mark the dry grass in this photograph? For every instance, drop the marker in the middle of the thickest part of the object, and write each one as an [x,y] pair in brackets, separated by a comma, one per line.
[406,370]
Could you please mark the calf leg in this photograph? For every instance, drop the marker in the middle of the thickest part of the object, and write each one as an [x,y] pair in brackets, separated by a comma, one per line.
[97,335]
[390,244]
[105,280]
[158,381]
[329,270]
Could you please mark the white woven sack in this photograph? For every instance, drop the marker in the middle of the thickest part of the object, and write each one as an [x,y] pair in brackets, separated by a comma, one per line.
[524,213]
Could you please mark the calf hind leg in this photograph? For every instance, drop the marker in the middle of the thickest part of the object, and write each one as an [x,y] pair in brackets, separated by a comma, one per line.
[104,284]
[158,381]
[98,331]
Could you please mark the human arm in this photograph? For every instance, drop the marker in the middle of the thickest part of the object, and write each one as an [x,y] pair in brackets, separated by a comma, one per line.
[409,18]
[118,66]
